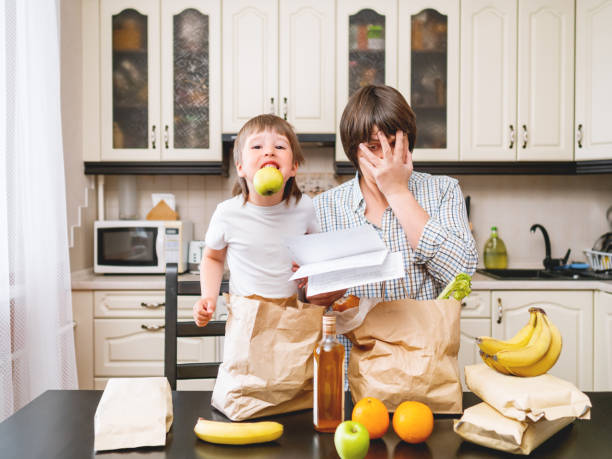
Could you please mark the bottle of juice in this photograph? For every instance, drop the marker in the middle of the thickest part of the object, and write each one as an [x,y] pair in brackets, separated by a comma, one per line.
[328,403]
[495,255]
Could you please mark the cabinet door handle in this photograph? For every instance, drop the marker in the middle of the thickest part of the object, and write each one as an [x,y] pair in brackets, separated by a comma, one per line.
[272,108]
[166,136]
[463,304]
[579,136]
[152,328]
[512,137]
[500,311]
[285,108]
[152,305]
[525,138]
[153,136]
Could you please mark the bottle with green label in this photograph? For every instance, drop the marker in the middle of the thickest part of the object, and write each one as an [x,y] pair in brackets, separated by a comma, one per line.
[495,255]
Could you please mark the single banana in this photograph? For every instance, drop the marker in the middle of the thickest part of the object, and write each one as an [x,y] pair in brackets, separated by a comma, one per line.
[536,348]
[237,433]
[486,358]
[492,346]
[549,359]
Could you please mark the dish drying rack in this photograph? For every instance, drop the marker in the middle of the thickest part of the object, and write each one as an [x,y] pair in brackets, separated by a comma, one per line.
[599,261]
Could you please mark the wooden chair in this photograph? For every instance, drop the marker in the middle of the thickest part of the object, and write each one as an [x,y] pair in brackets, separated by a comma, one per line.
[174,330]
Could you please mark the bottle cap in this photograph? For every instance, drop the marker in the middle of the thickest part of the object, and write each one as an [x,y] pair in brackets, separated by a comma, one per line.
[329,324]
[494,228]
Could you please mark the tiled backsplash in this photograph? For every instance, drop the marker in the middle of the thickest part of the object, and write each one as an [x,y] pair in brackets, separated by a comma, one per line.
[197,196]
[572,208]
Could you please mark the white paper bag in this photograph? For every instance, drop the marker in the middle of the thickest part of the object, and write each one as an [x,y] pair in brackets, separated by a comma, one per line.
[486,426]
[133,412]
[544,396]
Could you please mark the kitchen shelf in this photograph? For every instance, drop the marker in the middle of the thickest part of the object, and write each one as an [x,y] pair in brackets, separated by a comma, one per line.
[500,168]
[346,168]
[326,139]
[157,168]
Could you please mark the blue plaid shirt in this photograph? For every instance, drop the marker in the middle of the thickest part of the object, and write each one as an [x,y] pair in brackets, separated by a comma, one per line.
[445,249]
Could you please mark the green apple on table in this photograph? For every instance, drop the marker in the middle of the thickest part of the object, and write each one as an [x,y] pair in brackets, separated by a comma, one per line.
[352,440]
[268,180]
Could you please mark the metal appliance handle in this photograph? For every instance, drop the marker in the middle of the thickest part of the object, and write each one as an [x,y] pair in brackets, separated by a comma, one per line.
[152,305]
[152,328]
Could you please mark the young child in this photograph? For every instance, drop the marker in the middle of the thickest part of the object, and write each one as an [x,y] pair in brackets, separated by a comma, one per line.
[249,229]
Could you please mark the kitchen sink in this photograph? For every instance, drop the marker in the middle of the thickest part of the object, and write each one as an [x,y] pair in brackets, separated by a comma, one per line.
[519,274]
[541,274]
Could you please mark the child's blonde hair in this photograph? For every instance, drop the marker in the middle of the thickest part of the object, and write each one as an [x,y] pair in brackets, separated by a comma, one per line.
[263,123]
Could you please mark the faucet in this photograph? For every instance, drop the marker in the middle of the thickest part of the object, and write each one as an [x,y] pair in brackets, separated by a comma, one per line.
[550,263]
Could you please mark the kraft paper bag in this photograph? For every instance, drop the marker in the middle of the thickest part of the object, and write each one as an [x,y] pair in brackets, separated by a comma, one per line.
[407,350]
[516,397]
[484,425]
[267,363]
[133,412]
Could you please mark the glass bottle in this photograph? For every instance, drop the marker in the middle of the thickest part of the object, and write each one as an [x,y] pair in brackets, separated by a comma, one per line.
[328,403]
[495,255]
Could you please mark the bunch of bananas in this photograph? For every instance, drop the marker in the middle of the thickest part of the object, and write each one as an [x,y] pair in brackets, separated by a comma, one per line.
[531,352]
[237,433]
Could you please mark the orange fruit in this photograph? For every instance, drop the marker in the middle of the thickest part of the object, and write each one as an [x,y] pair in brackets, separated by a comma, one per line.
[373,414]
[413,422]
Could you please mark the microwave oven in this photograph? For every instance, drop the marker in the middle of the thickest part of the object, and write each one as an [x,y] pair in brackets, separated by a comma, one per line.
[140,246]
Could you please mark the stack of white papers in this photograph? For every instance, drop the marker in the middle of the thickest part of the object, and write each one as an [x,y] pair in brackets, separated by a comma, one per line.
[339,260]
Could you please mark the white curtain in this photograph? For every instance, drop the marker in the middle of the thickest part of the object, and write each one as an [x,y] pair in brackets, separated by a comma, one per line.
[36,332]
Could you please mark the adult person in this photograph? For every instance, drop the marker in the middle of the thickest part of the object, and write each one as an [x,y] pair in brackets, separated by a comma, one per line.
[421,215]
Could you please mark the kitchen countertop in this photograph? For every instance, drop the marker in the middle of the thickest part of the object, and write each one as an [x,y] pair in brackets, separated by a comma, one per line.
[60,424]
[87,280]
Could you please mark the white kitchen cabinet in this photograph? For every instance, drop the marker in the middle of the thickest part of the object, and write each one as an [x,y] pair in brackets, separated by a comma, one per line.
[135,347]
[83,316]
[159,80]
[428,74]
[278,57]
[593,137]
[602,350]
[475,321]
[367,43]
[468,349]
[140,304]
[118,333]
[570,311]
[476,304]
[517,80]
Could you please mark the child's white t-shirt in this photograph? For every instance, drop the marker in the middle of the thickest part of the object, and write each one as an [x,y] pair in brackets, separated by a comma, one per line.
[257,257]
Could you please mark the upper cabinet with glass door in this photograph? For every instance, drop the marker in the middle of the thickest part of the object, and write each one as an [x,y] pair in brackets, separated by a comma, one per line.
[160,80]
[428,74]
[367,50]
[517,82]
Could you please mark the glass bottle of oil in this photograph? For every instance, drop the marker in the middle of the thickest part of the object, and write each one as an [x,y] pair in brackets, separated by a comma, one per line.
[328,403]
[495,255]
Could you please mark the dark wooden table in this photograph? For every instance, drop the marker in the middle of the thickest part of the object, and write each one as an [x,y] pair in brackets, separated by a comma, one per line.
[59,424]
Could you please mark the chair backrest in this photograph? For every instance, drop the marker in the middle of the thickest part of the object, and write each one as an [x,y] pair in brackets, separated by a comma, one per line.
[174,330]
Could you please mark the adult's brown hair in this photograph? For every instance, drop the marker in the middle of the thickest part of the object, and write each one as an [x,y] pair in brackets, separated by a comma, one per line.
[262,123]
[375,105]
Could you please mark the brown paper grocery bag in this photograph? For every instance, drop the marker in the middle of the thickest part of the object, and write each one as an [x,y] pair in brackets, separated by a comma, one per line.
[407,350]
[267,363]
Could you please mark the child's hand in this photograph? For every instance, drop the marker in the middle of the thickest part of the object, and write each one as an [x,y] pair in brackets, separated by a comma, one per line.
[203,311]
[327,298]
[391,171]
[301,282]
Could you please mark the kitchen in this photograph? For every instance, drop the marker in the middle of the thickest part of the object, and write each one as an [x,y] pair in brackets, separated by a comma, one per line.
[515,178]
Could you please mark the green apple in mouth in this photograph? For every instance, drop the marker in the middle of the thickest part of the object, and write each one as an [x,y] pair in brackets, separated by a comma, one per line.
[268,180]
